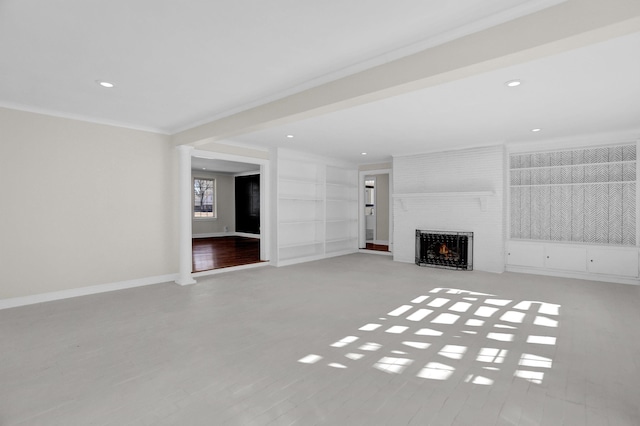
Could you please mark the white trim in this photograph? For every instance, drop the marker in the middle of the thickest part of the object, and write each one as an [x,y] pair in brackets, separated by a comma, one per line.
[585,276]
[297,260]
[361,205]
[455,149]
[84,291]
[378,252]
[265,191]
[446,194]
[185,215]
[249,173]
[381,242]
[226,234]
[246,234]
[214,235]
[84,118]
[230,269]
[575,142]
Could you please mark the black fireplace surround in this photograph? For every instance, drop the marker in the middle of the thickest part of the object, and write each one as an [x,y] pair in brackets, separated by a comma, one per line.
[444,249]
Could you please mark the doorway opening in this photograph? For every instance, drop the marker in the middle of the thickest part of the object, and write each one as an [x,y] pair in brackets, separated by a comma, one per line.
[226,221]
[376,232]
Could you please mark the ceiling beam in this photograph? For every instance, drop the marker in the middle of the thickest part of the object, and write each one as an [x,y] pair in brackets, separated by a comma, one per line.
[569,25]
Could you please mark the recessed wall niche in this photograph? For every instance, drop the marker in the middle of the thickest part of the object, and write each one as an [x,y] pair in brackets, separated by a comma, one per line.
[579,195]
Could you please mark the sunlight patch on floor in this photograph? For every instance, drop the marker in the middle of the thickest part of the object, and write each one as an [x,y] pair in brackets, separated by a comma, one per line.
[443,339]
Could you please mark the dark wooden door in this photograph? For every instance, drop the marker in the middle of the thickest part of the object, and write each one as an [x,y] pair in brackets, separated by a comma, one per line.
[248,204]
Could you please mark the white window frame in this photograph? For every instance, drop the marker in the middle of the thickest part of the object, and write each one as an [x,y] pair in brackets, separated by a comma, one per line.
[214,208]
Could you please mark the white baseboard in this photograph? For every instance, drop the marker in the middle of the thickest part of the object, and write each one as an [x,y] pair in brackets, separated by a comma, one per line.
[378,252]
[246,234]
[84,291]
[226,234]
[230,269]
[576,275]
[213,235]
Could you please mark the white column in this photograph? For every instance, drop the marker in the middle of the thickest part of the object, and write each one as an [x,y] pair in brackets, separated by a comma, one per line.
[184,214]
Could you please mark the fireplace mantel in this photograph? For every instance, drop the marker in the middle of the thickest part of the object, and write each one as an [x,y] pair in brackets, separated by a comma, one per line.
[480,195]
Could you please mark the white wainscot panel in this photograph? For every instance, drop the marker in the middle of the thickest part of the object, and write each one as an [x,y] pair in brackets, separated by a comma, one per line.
[566,258]
[525,254]
[613,261]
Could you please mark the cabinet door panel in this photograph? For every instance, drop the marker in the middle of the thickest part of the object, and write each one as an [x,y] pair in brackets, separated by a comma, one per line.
[566,258]
[613,262]
[531,255]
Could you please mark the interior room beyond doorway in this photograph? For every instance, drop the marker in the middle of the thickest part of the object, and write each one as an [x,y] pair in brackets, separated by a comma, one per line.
[376,212]
[226,214]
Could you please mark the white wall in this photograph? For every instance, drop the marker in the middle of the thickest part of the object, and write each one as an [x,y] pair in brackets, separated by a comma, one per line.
[469,170]
[226,205]
[83,204]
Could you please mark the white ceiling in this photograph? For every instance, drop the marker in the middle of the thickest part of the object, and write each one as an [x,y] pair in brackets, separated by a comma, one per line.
[179,64]
[595,89]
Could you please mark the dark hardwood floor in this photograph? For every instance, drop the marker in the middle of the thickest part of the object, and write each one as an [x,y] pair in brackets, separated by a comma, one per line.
[223,252]
[377,247]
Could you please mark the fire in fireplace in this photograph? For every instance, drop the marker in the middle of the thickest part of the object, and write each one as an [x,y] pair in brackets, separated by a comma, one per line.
[443,249]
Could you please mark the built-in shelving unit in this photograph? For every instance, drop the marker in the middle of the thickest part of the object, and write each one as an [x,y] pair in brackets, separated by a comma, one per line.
[317,210]
[300,210]
[341,210]
[574,213]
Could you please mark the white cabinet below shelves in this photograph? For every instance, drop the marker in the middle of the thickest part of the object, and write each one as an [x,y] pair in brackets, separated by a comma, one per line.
[566,258]
[529,255]
[605,263]
[613,262]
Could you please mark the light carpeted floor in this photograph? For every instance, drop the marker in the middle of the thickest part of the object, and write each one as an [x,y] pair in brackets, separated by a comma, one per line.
[354,340]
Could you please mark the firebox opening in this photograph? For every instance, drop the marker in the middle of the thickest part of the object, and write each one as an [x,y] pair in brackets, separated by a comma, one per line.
[443,249]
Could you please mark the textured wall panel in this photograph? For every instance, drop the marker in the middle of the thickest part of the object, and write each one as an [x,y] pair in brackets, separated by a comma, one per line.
[575,195]
[615,213]
[555,213]
[615,153]
[566,213]
[525,213]
[545,212]
[577,174]
[629,153]
[602,214]
[629,172]
[537,211]
[577,213]
[515,212]
[590,213]
[615,173]
[629,213]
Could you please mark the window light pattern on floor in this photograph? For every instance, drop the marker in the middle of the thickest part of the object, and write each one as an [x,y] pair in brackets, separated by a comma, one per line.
[428,339]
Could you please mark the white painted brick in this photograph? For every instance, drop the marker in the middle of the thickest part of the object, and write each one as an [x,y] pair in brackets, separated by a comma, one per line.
[479,169]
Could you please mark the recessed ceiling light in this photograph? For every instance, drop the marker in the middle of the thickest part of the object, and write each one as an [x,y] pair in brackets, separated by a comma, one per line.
[535,130]
[204,168]
[513,83]
[363,153]
[105,84]
[289,136]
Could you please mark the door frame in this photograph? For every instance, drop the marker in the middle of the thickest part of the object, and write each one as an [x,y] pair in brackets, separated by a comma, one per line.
[362,233]
[265,192]
[185,189]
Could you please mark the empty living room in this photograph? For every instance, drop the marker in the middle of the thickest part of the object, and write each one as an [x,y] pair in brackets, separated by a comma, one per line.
[328,213]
